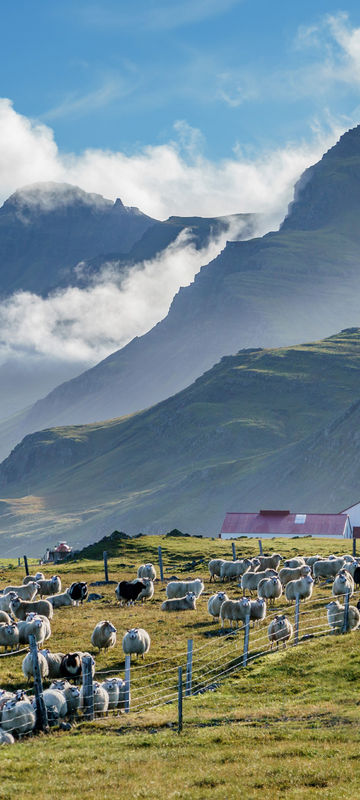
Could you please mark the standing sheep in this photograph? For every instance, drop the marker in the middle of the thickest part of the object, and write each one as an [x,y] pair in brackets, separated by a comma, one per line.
[327,568]
[71,694]
[251,580]
[269,562]
[54,661]
[234,610]
[257,610]
[129,591]
[288,574]
[6,600]
[25,592]
[21,608]
[4,617]
[231,570]
[187,603]
[54,697]
[49,587]
[34,626]
[111,686]
[336,615]
[9,636]
[181,588]
[104,635]
[292,563]
[148,591]
[343,583]
[270,589]
[18,717]
[215,602]
[78,592]
[279,630]
[136,641]
[38,577]
[27,666]
[303,587]
[101,698]
[214,568]
[147,571]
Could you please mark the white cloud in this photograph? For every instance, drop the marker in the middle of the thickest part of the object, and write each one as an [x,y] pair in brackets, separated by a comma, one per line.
[157,16]
[339,44]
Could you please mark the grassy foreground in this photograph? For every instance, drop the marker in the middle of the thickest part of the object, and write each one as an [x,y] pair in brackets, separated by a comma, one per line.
[288,725]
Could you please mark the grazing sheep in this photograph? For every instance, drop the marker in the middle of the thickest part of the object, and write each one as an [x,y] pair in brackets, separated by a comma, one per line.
[54,697]
[215,602]
[297,561]
[270,589]
[187,603]
[147,571]
[18,717]
[327,568]
[148,591]
[54,661]
[21,608]
[4,617]
[136,641]
[343,583]
[34,626]
[234,610]
[6,600]
[60,600]
[129,591]
[335,615]
[25,592]
[214,568]
[270,562]
[257,610]
[78,592]
[27,666]
[49,587]
[111,686]
[104,635]
[6,737]
[303,587]
[181,588]
[231,570]
[38,577]
[279,630]
[251,580]
[9,635]
[288,574]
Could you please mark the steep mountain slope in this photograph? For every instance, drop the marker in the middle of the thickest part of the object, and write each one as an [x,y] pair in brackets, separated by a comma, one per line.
[295,284]
[231,440]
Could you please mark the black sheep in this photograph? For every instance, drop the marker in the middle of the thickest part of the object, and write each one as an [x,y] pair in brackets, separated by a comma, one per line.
[357,576]
[78,591]
[129,590]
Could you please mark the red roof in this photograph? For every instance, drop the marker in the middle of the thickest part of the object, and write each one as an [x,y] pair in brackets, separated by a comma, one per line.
[63,548]
[283,523]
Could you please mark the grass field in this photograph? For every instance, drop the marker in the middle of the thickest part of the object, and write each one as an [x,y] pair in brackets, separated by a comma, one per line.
[288,725]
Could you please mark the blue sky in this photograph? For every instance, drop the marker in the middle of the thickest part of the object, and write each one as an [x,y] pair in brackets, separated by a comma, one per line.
[118,75]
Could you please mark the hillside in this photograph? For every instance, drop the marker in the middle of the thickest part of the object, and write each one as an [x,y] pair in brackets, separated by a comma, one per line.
[229,441]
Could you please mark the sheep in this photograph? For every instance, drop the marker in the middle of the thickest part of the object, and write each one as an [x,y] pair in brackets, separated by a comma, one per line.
[351,567]
[71,694]
[270,562]
[18,717]
[136,641]
[9,636]
[129,591]
[4,696]
[255,564]
[148,591]
[327,568]
[343,583]
[122,694]
[356,575]
[214,568]
[6,737]
[279,630]
[54,661]
[60,600]
[215,602]
[6,600]
[234,569]
[147,571]
[257,610]
[78,592]
[251,580]
[111,686]
[71,665]
[335,615]
[292,563]
[20,608]
[310,560]
[4,617]
[33,626]
[101,698]
[54,697]
[287,574]
[181,588]
[234,610]
[49,587]
[187,603]
[104,635]
[25,592]
[38,577]
[270,589]
[302,587]
[27,666]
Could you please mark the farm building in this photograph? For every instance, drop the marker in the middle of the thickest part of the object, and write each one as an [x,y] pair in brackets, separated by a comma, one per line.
[268,523]
[353,512]
[56,554]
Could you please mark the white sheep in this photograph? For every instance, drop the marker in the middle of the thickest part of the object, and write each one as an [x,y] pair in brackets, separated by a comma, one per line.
[251,580]
[231,570]
[4,617]
[60,600]
[269,562]
[257,610]
[111,686]
[214,567]
[288,574]
[21,608]
[310,560]
[122,694]
[302,588]
[270,589]
[35,626]
[279,630]
[6,737]
[148,591]
[54,663]
[101,698]
[54,697]
[49,587]
[136,641]
[215,602]
[234,610]
[297,561]
[336,616]
[27,666]
[38,577]
[327,568]
[104,635]
[187,603]
[6,600]
[147,571]
[343,583]
[71,694]
[18,717]
[181,588]
[25,592]
[9,636]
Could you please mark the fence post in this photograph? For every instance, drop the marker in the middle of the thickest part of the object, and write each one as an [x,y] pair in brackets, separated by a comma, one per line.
[180,699]
[127,683]
[189,668]
[106,566]
[26,566]
[42,723]
[346,612]
[354,547]
[260,547]
[160,564]
[246,637]
[297,611]
[233,550]
[19,562]
[88,691]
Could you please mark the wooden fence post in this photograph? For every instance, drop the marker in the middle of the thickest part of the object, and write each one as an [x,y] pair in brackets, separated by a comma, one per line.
[233,550]
[246,637]
[346,612]
[354,547]
[180,699]
[26,566]
[42,723]
[106,566]
[160,564]
[189,668]
[297,611]
[260,547]
[88,691]
[127,683]
[19,561]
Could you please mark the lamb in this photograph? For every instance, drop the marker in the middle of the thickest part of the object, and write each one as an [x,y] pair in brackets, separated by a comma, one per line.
[215,602]
[181,588]
[27,666]
[270,589]
[18,717]
[214,567]
[234,610]
[136,641]
[129,591]
[6,600]
[257,610]
[279,630]
[9,636]
[20,608]
[111,686]
[71,694]
[60,600]
[335,615]
[25,592]
[4,617]
[302,587]
[187,603]
[33,626]
[78,592]
[54,661]
[343,583]
[38,577]
[234,569]
[251,580]
[270,562]
[287,574]
[104,635]
[292,563]
[101,698]
[147,571]
[49,587]
[327,568]
[148,591]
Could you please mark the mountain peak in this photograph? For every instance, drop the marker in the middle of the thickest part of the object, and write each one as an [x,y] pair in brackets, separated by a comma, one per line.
[49,196]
